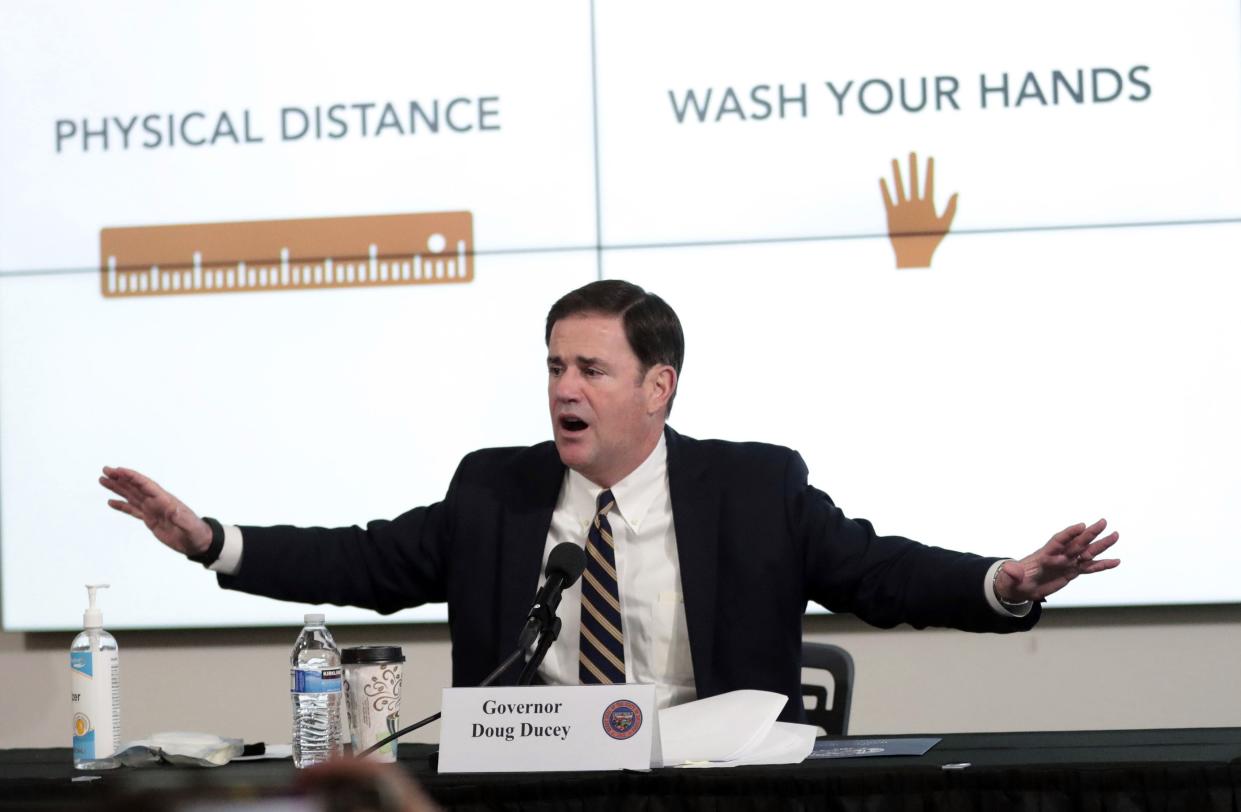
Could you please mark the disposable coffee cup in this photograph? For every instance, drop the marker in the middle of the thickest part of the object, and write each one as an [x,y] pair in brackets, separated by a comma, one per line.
[373,696]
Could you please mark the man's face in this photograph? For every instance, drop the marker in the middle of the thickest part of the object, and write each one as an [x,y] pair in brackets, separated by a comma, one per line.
[606,415]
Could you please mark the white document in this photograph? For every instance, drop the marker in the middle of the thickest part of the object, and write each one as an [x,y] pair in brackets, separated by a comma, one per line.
[786,743]
[739,727]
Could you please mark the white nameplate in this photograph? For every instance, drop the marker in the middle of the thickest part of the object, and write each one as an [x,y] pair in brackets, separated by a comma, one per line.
[547,728]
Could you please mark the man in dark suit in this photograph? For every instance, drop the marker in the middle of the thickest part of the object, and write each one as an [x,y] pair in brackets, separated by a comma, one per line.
[701,554]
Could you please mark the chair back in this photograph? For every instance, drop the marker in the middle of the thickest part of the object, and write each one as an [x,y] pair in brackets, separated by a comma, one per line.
[833,719]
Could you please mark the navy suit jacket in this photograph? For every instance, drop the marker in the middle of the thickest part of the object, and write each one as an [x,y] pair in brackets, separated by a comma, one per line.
[754,539]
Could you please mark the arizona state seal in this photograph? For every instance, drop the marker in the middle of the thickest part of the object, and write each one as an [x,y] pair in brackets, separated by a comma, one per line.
[622,719]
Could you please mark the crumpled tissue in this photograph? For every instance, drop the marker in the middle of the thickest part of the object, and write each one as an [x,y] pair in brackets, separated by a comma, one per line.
[194,749]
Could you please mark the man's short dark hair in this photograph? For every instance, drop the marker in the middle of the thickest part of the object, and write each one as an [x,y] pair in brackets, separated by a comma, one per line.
[651,326]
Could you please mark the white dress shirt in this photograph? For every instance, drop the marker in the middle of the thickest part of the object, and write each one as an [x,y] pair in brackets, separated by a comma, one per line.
[648,574]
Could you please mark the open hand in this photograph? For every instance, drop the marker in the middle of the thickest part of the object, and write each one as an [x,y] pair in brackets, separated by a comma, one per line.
[913,226]
[1073,551]
[165,515]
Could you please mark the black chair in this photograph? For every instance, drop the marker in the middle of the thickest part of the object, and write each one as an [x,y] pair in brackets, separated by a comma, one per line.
[836,661]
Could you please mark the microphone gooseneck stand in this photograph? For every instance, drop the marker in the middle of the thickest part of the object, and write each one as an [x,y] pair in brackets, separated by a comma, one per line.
[545,642]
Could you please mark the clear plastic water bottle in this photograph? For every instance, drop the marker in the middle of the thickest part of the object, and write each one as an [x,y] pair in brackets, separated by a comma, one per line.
[316,690]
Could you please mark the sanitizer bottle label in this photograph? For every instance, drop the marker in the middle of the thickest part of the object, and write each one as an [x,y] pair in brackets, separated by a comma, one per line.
[95,687]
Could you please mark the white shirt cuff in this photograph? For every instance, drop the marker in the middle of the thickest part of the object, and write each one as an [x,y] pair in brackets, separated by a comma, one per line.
[988,588]
[229,561]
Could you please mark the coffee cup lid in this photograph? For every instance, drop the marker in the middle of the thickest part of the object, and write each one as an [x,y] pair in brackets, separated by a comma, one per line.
[355,655]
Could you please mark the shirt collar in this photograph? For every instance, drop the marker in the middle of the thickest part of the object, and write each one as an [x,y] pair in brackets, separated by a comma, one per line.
[634,494]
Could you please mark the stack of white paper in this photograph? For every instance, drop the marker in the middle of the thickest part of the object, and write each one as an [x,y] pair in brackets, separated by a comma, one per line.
[739,727]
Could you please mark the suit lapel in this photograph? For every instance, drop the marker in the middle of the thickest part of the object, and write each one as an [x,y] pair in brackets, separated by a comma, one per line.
[695,516]
[535,487]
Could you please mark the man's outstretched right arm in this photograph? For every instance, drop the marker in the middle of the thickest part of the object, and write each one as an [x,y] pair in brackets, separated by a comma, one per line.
[387,566]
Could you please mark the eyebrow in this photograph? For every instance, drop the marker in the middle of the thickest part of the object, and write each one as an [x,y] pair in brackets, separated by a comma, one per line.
[581,361]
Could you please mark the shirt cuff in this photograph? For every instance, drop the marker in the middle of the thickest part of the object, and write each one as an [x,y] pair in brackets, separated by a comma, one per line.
[229,562]
[1005,609]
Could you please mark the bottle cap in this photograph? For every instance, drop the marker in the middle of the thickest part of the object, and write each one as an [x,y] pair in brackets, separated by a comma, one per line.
[313,617]
[92,618]
[371,655]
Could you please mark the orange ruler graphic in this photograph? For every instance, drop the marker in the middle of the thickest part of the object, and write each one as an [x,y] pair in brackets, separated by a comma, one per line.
[273,255]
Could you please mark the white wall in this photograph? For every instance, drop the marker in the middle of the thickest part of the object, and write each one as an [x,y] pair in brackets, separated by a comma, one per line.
[1097,668]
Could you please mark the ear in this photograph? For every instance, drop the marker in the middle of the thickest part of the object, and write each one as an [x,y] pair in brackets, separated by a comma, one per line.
[661,381]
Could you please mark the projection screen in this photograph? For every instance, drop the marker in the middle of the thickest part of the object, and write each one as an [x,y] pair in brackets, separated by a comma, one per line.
[976,262]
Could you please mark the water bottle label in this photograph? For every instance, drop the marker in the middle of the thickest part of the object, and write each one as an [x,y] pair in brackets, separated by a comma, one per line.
[311,681]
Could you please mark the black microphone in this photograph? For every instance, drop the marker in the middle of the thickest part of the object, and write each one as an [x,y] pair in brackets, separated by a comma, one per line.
[564,567]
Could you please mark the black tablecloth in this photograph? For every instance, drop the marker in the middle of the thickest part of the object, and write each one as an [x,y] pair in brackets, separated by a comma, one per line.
[1188,769]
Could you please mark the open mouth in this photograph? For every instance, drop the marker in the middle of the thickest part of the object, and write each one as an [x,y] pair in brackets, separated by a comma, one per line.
[572,424]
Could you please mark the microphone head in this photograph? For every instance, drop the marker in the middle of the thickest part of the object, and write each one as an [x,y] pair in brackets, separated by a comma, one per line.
[567,560]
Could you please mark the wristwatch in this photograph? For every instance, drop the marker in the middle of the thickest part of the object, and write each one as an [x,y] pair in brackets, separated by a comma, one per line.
[208,556]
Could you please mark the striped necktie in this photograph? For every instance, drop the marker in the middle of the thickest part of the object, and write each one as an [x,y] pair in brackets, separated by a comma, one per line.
[602,655]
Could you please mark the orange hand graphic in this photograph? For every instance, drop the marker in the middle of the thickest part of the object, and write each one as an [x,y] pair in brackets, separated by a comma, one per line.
[913,227]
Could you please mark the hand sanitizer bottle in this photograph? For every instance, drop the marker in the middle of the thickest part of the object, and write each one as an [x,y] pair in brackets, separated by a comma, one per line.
[96,687]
